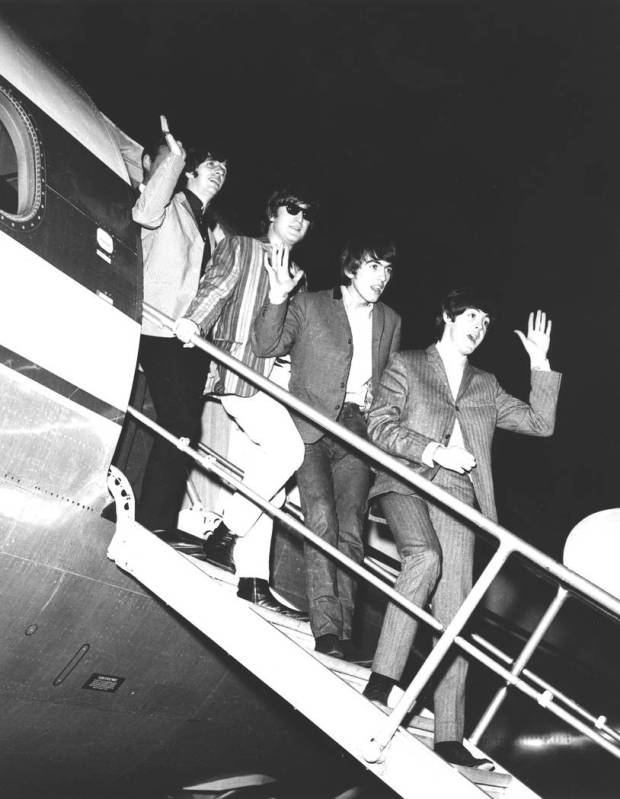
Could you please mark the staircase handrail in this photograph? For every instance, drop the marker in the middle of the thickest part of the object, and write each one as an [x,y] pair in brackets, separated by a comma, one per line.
[509,544]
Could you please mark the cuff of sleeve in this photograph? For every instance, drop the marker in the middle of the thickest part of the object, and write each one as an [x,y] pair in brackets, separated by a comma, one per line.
[277,299]
[429,453]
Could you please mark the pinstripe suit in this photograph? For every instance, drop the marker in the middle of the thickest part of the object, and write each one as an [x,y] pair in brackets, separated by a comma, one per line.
[414,407]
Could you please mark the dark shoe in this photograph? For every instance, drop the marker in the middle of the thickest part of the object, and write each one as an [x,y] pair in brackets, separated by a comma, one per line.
[378,688]
[353,653]
[182,542]
[454,752]
[218,548]
[255,590]
[329,644]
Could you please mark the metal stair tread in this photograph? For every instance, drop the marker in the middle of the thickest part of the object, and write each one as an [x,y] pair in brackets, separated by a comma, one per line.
[420,726]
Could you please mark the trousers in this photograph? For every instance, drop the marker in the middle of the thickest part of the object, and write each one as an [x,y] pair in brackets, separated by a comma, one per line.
[334,481]
[437,551]
[176,376]
[269,454]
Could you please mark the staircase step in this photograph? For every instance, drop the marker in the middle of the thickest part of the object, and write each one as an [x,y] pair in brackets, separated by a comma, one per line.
[276,650]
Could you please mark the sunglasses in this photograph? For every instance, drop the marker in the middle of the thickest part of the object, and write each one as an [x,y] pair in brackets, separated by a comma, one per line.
[293,209]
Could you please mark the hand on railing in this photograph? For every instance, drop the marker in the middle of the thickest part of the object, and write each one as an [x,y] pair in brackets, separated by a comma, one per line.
[454,458]
[184,329]
[538,339]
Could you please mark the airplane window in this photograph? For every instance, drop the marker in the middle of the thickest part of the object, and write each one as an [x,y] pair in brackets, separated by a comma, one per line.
[20,165]
[8,172]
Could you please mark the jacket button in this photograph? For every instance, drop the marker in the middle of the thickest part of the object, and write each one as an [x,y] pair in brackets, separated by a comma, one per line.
[343,385]
[456,408]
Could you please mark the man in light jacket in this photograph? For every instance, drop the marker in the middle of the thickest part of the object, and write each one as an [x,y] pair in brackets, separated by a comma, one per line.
[178,235]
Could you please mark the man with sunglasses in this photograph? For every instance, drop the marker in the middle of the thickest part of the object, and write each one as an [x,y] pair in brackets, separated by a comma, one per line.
[230,294]
[339,341]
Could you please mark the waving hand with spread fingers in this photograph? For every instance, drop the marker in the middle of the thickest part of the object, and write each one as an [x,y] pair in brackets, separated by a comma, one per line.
[538,339]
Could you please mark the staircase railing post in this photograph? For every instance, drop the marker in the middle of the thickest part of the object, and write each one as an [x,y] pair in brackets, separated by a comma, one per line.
[521,661]
[386,731]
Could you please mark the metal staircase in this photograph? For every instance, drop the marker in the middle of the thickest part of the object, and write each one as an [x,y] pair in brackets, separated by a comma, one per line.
[279,651]
[389,743]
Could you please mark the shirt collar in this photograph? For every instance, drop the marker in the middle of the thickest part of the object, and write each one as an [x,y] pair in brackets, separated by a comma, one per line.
[353,307]
[195,202]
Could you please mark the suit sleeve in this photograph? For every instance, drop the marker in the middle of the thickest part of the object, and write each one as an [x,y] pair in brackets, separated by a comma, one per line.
[536,418]
[277,327]
[385,428]
[150,208]
[216,286]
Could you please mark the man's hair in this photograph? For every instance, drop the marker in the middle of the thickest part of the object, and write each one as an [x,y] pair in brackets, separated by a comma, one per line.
[196,155]
[289,194]
[457,301]
[359,249]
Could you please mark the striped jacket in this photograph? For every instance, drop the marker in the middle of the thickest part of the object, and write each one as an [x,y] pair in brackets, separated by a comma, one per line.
[230,294]
[413,406]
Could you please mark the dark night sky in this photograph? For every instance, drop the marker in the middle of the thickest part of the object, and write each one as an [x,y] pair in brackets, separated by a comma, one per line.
[483,135]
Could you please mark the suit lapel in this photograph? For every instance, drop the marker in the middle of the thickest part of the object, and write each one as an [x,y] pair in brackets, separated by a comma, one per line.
[468,373]
[340,309]
[378,328]
[436,364]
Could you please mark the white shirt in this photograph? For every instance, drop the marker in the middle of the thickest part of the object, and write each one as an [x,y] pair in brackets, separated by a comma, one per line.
[360,373]
[454,370]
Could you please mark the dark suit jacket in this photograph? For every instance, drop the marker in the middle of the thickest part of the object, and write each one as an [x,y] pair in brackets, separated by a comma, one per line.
[413,406]
[315,329]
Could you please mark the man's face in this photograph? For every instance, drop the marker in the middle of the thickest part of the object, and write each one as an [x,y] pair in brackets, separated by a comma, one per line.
[468,330]
[210,175]
[290,224]
[370,280]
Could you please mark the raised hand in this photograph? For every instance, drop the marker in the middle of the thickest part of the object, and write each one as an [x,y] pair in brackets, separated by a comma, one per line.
[173,145]
[454,458]
[538,338]
[281,282]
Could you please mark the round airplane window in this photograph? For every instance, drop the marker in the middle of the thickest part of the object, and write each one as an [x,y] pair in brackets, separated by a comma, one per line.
[20,165]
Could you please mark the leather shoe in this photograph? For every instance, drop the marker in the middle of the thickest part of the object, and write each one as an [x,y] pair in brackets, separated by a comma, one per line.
[182,542]
[218,548]
[255,590]
[378,688]
[329,644]
[353,654]
[454,752]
